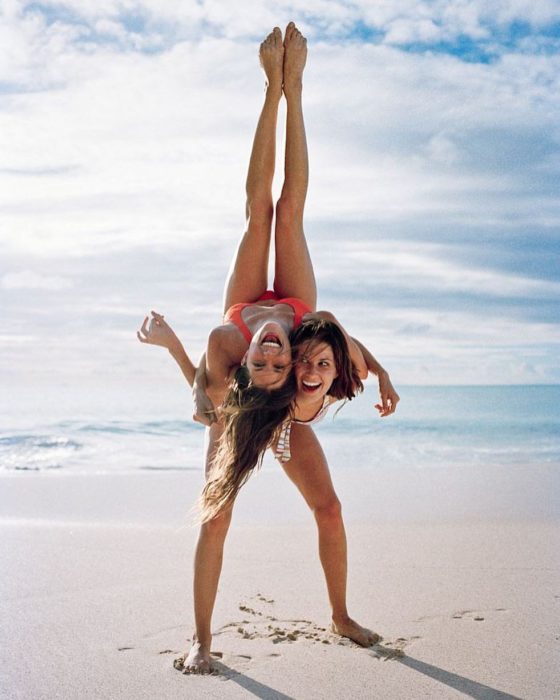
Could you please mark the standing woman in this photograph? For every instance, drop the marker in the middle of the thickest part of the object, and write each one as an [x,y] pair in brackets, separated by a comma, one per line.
[262,321]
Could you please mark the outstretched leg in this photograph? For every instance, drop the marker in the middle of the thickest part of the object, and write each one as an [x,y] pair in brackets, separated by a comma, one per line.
[293,268]
[309,471]
[247,278]
[207,568]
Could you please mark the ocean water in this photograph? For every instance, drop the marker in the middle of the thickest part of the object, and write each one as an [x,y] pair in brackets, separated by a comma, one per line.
[453,427]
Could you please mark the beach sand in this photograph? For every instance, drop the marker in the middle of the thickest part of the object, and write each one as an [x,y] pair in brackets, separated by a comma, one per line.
[458,572]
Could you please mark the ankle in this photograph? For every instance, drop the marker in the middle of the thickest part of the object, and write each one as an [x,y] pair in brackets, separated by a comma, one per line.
[273,89]
[341,618]
[202,642]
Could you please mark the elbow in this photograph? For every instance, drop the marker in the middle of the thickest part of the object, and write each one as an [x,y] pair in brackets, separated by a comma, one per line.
[327,316]
[362,372]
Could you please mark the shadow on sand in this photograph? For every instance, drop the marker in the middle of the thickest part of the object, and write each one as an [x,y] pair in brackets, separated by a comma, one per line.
[479,691]
[468,687]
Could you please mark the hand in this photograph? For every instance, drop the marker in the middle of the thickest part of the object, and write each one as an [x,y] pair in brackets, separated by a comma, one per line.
[204,411]
[158,332]
[389,397]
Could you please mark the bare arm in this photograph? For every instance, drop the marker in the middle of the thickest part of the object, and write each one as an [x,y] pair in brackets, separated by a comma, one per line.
[210,379]
[223,353]
[204,410]
[389,397]
[159,332]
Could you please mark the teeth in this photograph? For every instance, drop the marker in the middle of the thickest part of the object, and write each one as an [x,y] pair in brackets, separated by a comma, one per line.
[310,385]
[271,341]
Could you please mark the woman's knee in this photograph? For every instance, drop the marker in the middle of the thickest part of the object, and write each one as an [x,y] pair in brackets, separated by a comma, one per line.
[289,215]
[328,513]
[218,526]
[259,209]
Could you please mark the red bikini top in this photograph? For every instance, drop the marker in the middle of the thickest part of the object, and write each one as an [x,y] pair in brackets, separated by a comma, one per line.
[233,314]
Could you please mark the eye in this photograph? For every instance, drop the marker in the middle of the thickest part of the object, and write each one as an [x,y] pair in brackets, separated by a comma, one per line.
[280,368]
[324,363]
[258,365]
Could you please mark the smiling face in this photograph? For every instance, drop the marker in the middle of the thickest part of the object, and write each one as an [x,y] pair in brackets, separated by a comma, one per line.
[269,357]
[315,371]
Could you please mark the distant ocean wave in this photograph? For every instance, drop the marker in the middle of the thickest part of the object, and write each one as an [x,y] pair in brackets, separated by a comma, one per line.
[164,427]
[103,446]
[439,426]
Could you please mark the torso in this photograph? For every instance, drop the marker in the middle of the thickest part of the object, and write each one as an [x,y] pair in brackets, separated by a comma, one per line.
[313,412]
[256,314]
[281,448]
[248,317]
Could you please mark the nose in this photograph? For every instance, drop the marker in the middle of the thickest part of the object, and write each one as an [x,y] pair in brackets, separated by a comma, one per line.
[310,373]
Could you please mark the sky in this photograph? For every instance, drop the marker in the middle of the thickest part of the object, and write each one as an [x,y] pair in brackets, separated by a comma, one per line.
[433,211]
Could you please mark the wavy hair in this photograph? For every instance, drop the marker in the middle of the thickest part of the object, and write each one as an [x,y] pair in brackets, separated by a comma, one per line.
[251,418]
[319,330]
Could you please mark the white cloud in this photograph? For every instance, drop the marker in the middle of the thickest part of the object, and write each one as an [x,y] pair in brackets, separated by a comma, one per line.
[27,279]
[8,339]
[427,268]
[108,145]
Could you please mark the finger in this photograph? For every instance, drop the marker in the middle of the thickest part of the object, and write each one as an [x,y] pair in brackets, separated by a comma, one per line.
[140,338]
[384,402]
[144,328]
[201,418]
[159,319]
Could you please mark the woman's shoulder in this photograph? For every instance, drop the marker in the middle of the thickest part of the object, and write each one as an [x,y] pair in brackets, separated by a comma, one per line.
[227,337]
[222,331]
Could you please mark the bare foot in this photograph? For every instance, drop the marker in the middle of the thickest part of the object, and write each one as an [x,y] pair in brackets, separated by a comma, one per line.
[295,56]
[355,632]
[197,660]
[271,54]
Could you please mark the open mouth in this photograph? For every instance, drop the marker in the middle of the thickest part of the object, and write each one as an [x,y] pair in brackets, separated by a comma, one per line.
[310,387]
[271,341]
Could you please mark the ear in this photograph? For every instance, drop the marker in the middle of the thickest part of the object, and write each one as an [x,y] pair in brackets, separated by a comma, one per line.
[244,360]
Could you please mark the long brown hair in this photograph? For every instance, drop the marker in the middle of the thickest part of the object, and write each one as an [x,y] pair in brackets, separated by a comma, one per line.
[319,330]
[251,418]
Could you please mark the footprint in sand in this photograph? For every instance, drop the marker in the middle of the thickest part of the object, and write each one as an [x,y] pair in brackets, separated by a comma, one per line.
[259,623]
[476,615]
[393,649]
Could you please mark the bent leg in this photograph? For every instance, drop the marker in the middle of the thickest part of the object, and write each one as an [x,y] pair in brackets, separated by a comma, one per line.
[293,268]
[207,569]
[247,277]
[309,471]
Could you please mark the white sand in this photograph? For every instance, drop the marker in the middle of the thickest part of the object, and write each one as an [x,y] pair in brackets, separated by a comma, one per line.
[96,588]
